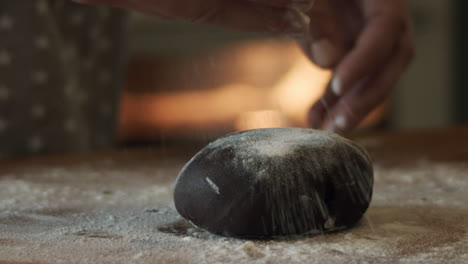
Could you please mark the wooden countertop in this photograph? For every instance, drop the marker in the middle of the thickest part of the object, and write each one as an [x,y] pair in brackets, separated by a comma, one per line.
[112,208]
[442,144]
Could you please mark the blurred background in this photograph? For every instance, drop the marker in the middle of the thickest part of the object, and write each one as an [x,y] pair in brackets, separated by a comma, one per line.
[197,82]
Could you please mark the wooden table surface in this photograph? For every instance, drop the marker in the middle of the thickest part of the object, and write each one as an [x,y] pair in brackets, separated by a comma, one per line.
[116,207]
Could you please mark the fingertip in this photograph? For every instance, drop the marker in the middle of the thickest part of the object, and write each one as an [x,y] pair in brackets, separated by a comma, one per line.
[318,112]
[340,122]
[336,86]
[337,124]
[325,53]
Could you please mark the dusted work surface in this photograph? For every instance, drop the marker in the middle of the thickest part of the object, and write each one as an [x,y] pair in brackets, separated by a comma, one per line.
[117,208]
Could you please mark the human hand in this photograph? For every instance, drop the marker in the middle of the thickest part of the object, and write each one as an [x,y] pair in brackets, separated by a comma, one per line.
[368,43]
[245,15]
[373,46]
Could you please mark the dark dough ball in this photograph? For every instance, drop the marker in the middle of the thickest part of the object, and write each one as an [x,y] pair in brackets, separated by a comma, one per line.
[275,182]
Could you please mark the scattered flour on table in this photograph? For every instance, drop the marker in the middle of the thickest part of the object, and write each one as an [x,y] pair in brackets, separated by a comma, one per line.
[110,213]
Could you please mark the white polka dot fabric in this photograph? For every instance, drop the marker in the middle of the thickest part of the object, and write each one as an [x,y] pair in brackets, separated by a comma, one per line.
[60,76]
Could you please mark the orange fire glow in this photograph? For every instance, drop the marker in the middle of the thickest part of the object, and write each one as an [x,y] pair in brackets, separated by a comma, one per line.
[283,85]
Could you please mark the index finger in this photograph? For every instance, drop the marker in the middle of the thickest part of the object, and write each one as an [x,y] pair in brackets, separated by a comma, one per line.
[385,23]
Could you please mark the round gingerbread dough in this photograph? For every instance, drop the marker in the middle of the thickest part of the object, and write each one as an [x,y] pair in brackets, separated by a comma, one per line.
[275,182]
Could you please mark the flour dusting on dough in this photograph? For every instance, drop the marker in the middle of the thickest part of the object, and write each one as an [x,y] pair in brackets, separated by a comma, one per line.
[274,141]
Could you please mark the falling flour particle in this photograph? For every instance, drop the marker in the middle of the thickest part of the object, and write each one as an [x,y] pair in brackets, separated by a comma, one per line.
[213,185]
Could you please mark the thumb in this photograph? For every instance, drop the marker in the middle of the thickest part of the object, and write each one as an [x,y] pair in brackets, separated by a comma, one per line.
[324,41]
